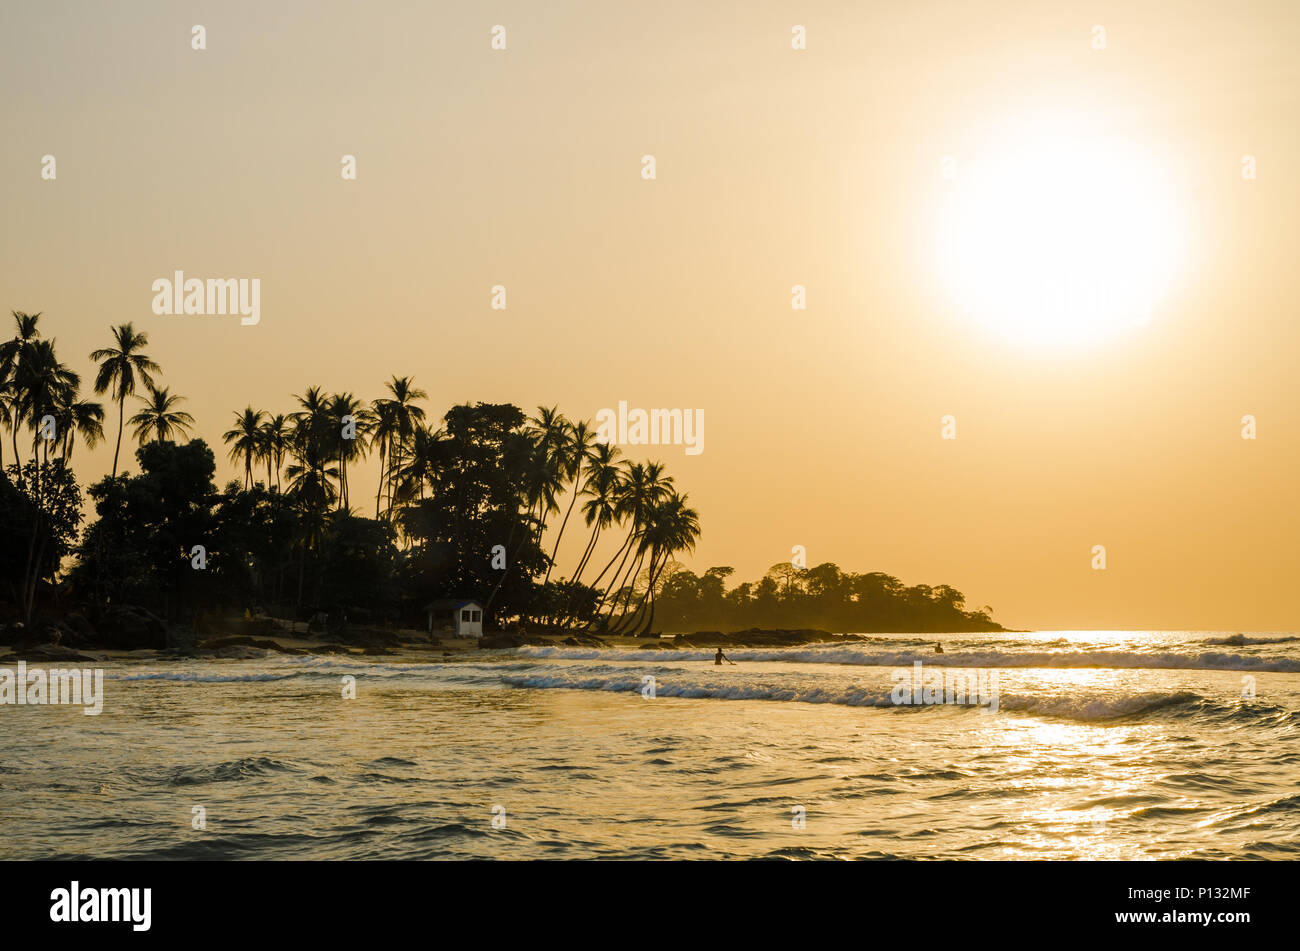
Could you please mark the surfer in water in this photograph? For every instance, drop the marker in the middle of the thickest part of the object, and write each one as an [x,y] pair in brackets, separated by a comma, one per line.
[938,648]
[719,657]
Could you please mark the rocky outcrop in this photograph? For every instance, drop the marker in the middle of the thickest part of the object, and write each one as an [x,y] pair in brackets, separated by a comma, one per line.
[584,640]
[243,640]
[51,653]
[500,641]
[126,627]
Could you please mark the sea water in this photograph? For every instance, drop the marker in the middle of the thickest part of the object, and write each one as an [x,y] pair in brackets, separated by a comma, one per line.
[1102,745]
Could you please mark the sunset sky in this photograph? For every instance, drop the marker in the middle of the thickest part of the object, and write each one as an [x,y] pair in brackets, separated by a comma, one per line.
[823,167]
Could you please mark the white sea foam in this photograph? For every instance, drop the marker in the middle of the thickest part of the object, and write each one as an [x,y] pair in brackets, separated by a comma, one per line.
[843,654]
[1090,707]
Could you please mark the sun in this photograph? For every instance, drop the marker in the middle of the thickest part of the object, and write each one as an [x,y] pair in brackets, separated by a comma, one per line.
[1056,236]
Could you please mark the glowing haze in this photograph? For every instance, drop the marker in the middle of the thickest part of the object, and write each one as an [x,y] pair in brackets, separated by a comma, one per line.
[931,173]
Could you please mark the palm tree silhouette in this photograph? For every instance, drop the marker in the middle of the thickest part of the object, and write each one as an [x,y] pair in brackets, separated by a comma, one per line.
[25,332]
[44,387]
[396,420]
[245,440]
[119,368]
[159,417]
[573,456]
[273,442]
[84,418]
[340,407]
[671,527]
[604,476]
[643,488]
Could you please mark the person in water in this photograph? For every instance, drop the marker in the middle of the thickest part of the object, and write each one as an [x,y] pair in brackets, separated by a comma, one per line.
[719,657]
[938,648]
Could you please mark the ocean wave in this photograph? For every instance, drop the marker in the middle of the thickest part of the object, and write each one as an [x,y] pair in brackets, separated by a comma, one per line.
[1241,640]
[1088,708]
[838,654]
[181,676]
[247,767]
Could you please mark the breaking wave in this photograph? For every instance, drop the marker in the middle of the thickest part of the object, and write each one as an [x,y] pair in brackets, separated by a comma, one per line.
[1118,660]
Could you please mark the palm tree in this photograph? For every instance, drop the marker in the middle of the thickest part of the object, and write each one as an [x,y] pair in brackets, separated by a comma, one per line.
[43,387]
[603,478]
[381,435]
[396,420]
[274,442]
[119,368]
[313,444]
[310,476]
[340,407]
[643,487]
[573,455]
[245,440]
[84,418]
[40,387]
[25,332]
[540,485]
[159,417]
[672,527]
[421,464]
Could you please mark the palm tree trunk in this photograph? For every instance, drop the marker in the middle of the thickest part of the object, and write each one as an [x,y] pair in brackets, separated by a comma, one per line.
[629,582]
[622,549]
[655,572]
[560,535]
[121,418]
[586,553]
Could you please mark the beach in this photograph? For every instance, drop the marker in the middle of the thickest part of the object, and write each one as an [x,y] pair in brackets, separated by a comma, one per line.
[1123,745]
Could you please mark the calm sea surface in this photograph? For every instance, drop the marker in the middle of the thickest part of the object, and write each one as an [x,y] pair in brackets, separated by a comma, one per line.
[1103,745]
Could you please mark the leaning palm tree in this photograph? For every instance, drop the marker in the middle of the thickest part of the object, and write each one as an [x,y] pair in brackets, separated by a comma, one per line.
[603,478]
[643,487]
[674,527]
[574,454]
[159,418]
[245,440]
[120,367]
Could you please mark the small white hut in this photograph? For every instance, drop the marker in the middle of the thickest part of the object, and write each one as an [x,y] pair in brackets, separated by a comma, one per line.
[456,617]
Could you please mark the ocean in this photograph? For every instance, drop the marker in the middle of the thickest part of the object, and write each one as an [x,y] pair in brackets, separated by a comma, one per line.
[1101,745]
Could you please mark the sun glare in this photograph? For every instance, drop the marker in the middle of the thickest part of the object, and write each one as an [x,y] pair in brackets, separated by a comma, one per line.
[1057,238]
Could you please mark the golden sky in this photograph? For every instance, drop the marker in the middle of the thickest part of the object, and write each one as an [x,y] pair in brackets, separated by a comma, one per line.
[775,167]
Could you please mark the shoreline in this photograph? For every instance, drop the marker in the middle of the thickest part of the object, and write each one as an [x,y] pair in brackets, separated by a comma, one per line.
[362,642]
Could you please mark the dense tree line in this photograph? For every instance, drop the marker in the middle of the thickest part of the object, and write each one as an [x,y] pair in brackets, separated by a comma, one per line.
[461,508]
[820,597]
